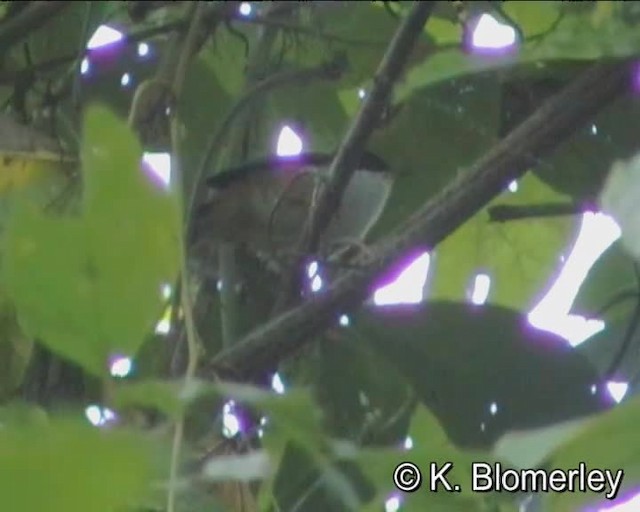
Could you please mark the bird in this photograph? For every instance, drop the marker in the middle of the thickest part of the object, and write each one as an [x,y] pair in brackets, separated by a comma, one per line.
[264,204]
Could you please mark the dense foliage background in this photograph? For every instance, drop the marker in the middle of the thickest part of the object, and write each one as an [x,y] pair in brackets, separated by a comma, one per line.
[104,408]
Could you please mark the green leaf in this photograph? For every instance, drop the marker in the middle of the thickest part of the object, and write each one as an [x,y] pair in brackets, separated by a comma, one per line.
[292,417]
[582,163]
[357,403]
[89,287]
[461,358]
[529,448]
[203,108]
[431,139]
[550,36]
[169,397]
[301,484]
[71,467]
[359,30]
[609,442]
[519,256]
[533,18]
[299,104]
[77,21]
[612,276]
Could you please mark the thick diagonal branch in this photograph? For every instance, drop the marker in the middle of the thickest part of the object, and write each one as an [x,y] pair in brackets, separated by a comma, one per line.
[541,133]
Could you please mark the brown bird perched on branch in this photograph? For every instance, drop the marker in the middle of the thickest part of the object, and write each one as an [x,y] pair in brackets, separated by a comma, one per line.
[265,204]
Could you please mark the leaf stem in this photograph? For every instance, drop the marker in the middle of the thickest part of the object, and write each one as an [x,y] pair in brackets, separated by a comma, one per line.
[196,10]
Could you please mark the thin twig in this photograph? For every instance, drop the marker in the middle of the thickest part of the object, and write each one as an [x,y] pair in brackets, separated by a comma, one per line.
[353,144]
[618,298]
[466,195]
[508,212]
[188,49]
[629,334]
[230,306]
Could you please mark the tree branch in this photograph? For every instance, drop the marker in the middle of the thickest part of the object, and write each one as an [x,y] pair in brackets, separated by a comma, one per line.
[365,122]
[538,135]
[354,142]
[507,212]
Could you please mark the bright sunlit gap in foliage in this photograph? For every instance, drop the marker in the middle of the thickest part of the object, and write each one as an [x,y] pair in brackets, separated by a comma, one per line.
[392,504]
[165,291]
[480,292]
[230,421]
[158,167]
[344,321]
[99,416]
[316,284]
[312,269]
[120,366]
[597,232]
[163,327]
[617,390]
[245,9]
[84,66]
[289,142]
[408,287]
[143,49]
[125,79]
[490,34]
[630,505]
[276,384]
[104,36]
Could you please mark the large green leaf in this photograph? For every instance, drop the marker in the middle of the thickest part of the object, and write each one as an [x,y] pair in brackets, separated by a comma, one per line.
[519,256]
[314,110]
[432,138]
[71,467]
[609,442]
[581,165]
[550,34]
[461,359]
[90,287]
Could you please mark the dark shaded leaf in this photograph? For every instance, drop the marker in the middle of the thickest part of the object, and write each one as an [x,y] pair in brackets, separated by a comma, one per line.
[435,135]
[609,281]
[357,401]
[462,359]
